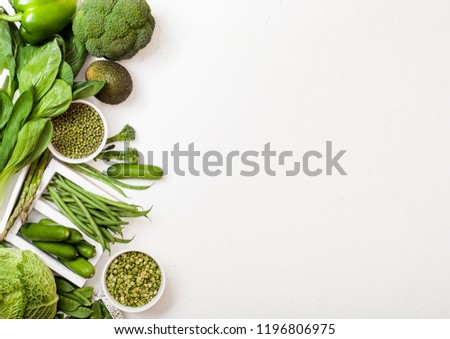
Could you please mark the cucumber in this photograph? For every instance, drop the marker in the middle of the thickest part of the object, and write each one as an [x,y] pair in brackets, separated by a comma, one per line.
[61,250]
[80,266]
[86,250]
[47,222]
[42,232]
[135,171]
[75,237]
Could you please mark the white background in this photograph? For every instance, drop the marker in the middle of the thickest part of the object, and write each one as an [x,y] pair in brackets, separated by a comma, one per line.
[373,77]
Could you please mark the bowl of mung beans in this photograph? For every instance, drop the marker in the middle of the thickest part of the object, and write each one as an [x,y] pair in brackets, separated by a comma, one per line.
[79,134]
[133,281]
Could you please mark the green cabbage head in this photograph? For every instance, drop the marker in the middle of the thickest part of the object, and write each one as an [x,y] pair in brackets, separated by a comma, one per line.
[27,286]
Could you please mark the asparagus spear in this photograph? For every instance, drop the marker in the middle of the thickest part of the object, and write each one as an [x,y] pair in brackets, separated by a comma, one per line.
[35,182]
[26,186]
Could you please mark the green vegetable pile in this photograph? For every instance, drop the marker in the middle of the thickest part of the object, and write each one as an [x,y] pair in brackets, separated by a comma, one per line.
[133,279]
[64,243]
[77,303]
[27,286]
[44,76]
[98,217]
[78,132]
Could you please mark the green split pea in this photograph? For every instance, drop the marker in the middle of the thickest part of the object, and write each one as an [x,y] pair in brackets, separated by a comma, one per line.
[78,132]
[133,279]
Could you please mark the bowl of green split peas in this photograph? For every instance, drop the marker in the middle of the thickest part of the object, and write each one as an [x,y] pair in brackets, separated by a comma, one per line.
[133,281]
[79,134]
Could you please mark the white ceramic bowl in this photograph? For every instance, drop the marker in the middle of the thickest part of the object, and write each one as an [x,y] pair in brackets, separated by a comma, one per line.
[128,308]
[63,158]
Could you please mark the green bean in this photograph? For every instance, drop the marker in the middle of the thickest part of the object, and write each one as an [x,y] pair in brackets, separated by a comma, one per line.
[116,229]
[126,214]
[114,181]
[82,194]
[96,215]
[94,226]
[123,241]
[104,200]
[68,213]
[108,236]
[101,177]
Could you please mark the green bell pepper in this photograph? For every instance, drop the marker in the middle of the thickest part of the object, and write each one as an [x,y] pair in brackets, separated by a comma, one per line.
[40,19]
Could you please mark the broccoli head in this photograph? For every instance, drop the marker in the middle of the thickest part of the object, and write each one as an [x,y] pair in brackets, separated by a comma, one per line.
[129,155]
[128,133]
[114,29]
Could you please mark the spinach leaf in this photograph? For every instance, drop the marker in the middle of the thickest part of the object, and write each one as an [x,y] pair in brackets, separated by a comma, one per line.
[55,102]
[6,108]
[41,70]
[32,141]
[19,115]
[25,54]
[87,89]
[76,53]
[65,73]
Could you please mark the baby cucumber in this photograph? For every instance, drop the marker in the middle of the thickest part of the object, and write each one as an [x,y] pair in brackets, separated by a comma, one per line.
[43,232]
[80,266]
[61,250]
[86,250]
[75,237]
[134,171]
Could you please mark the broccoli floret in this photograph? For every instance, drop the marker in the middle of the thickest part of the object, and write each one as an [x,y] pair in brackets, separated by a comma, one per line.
[128,133]
[114,29]
[130,155]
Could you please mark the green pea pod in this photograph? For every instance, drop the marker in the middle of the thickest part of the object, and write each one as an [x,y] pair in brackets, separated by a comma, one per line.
[105,312]
[87,291]
[63,286]
[85,301]
[40,19]
[73,297]
[66,304]
[80,313]
[96,311]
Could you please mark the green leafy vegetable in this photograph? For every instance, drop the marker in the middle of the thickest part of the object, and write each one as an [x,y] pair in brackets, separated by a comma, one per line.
[6,108]
[55,102]
[25,54]
[65,73]
[41,70]
[20,113]
[76,53]
[32,141]
[87,89]
[27,286]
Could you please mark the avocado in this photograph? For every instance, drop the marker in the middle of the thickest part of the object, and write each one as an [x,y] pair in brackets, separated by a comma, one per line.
[118,85]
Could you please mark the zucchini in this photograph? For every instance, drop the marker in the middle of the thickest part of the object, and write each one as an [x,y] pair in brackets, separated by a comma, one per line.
[61,250]
[86,250]
[80,266]
[135,171]
[42,232]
